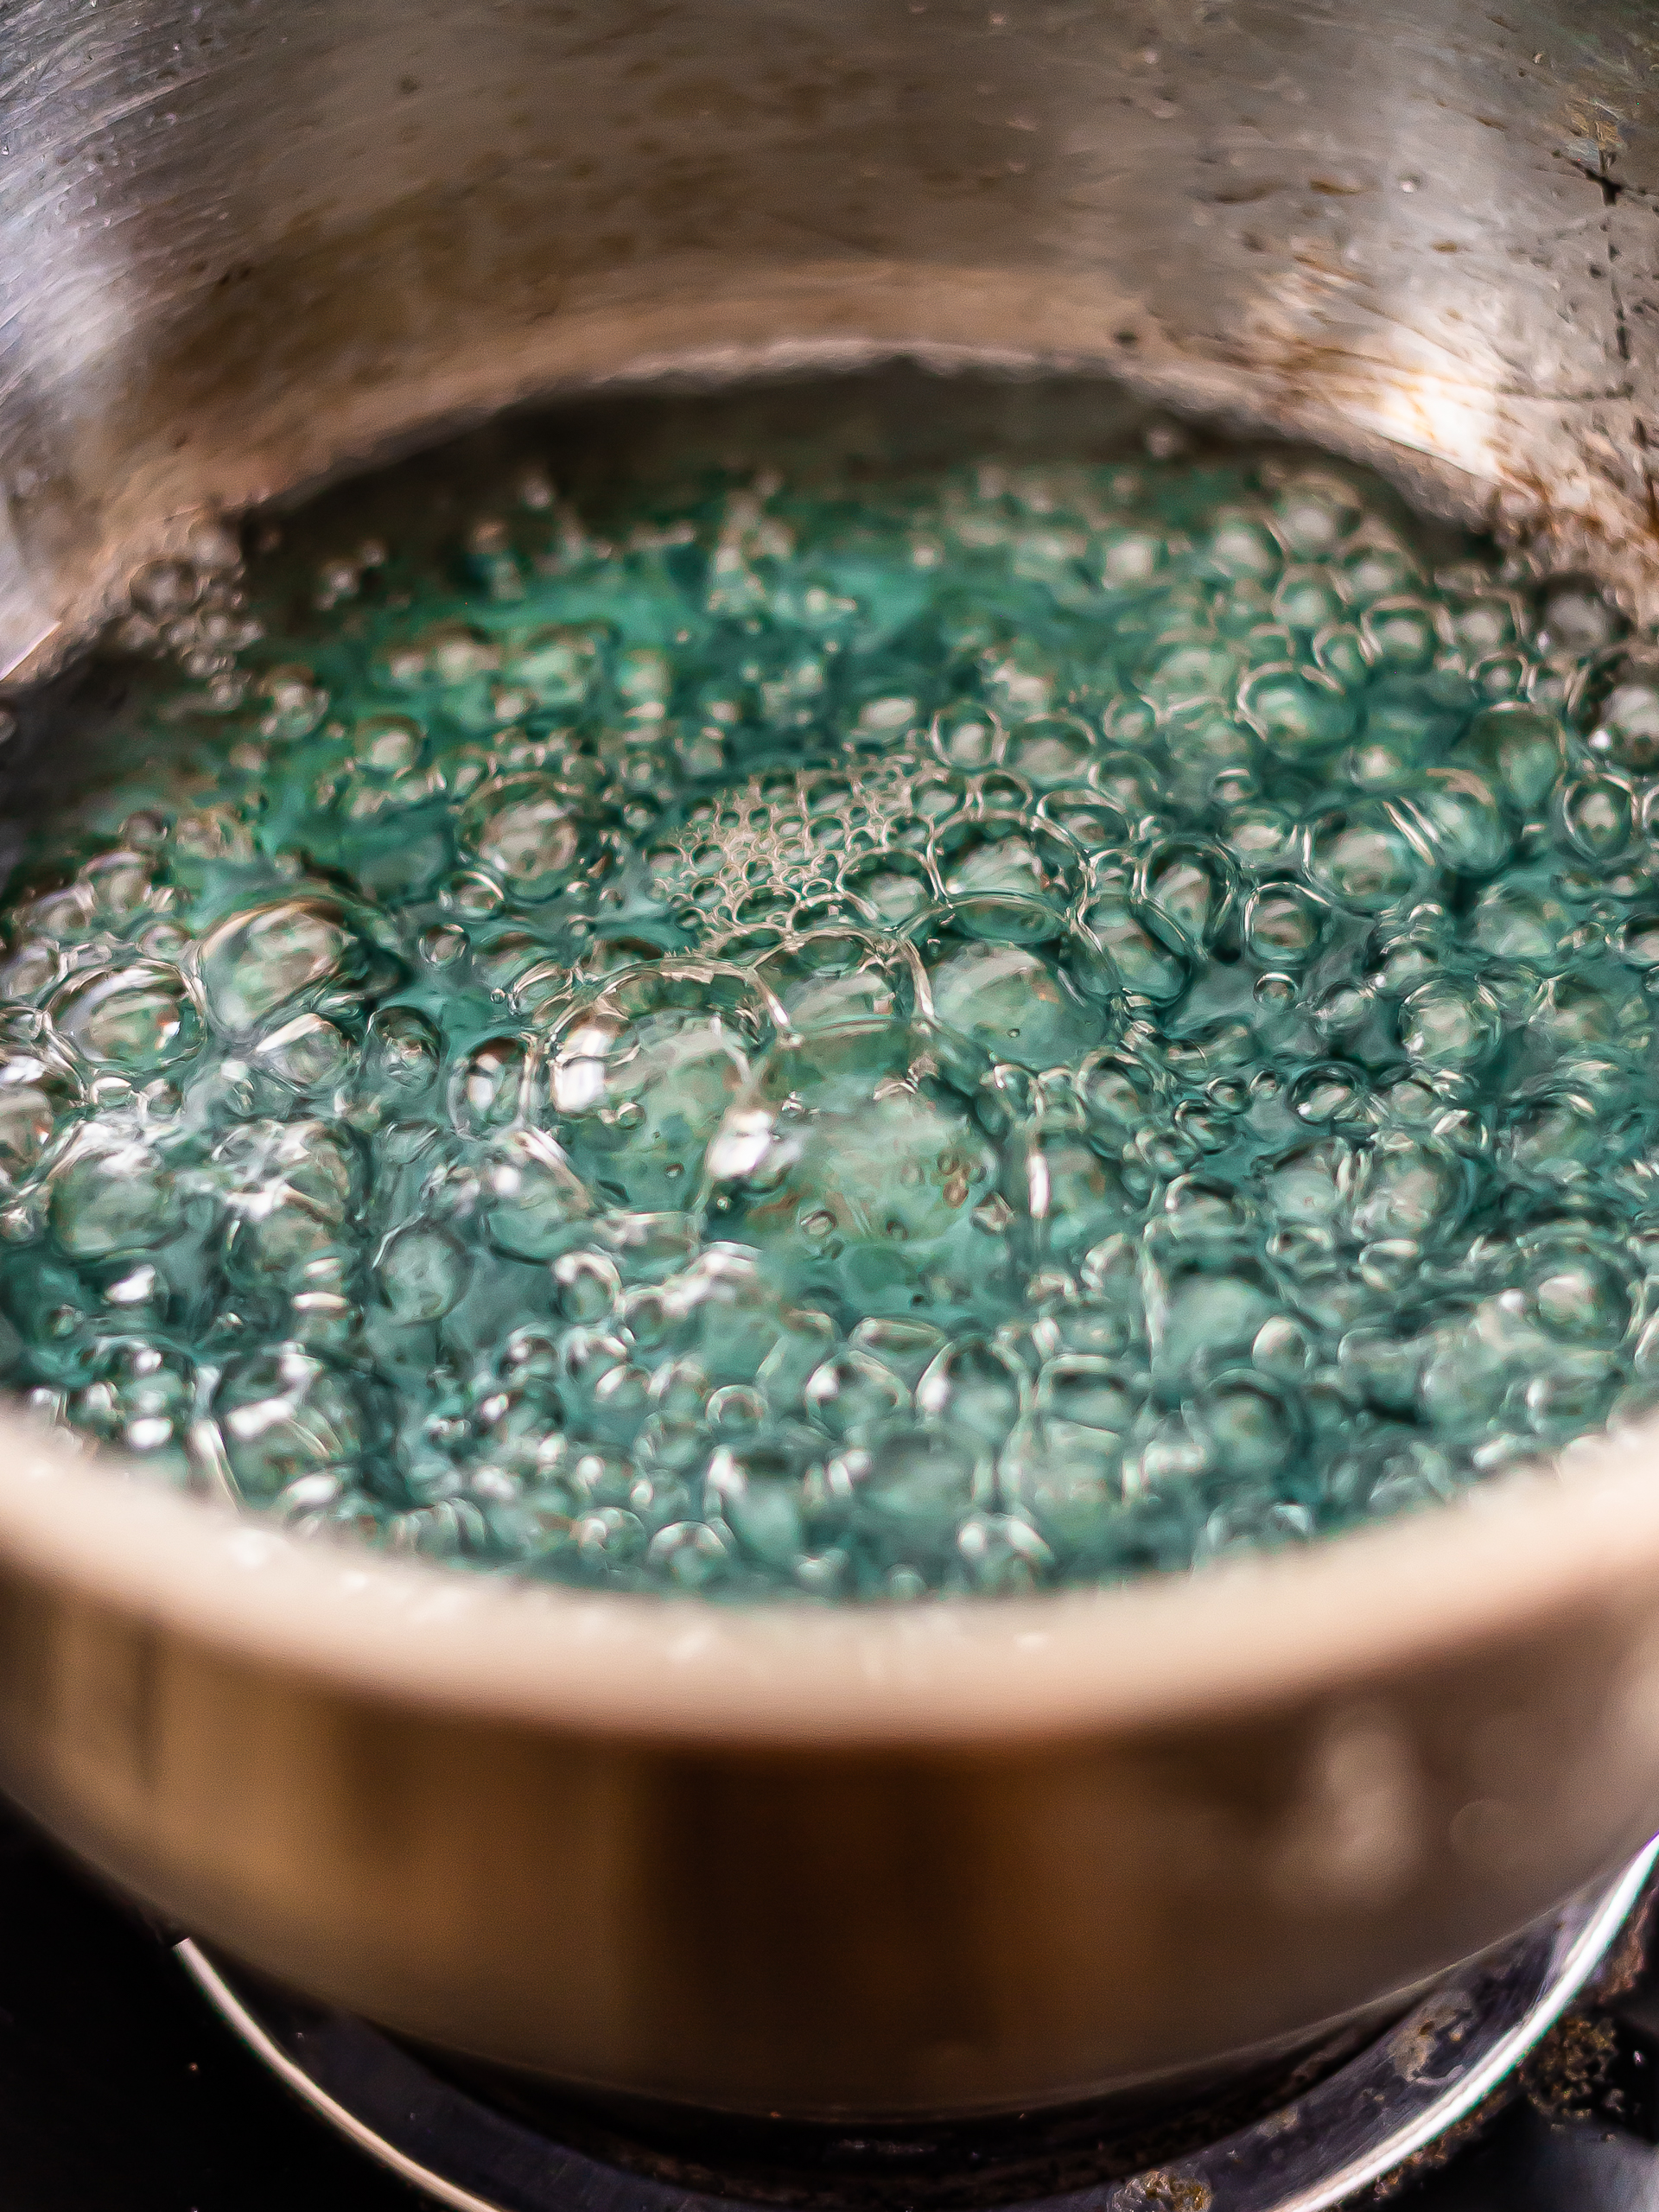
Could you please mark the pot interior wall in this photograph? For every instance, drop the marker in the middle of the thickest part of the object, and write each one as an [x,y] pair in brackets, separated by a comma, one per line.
[245,252]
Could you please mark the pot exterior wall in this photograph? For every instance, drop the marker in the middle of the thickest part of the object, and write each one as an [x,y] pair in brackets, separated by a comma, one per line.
[826,1929]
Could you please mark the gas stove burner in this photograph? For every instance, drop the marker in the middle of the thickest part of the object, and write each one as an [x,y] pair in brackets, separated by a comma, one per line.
[475,2146]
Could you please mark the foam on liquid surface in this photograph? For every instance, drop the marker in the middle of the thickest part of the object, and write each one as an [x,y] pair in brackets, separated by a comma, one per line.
[1011,1027]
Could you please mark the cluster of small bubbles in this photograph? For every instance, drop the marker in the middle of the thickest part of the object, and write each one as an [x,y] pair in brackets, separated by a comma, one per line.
[192,612]
[1010,1029]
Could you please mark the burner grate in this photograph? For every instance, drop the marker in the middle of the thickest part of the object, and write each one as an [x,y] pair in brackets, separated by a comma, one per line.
[1387,2106]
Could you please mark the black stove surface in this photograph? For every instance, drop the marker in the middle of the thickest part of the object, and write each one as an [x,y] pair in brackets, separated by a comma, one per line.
[121,2091]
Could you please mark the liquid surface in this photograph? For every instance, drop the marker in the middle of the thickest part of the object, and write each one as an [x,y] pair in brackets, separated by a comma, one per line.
[1009,1028]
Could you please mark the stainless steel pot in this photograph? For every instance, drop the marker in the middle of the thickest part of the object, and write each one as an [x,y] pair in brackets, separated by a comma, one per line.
[960,1857]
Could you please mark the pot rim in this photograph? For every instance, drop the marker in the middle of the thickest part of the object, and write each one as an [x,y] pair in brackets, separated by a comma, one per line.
[1577,1536]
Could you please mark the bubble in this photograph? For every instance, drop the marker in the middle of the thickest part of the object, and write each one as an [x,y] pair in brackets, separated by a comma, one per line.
[911,1491]
[141,1402]
[1330,1094]
[441,945]
[315,1158]
[1131,556]
[1578,1011]
[1261,838]
[1093,823]
[1116,953]
[1205,1309]
[1282,926]
[904,1347]
[1314,513]
[1578,1284]
[139,1017]
[28,1118]
[295,702]
[1202,667]
[283,1416]
[1012,1003]
[644,1098]
[1359,856]
[1401,633]
[1455,819]
[1376,565]
[307,1054]
[1183,889]
[758,1495]
[1049,750]
[1308,598]
[1252,1525]
[421,1271]
[1520,749]
[590,1286]
[402,1052]
[1448,1025]
[1404,1187]
[121,883]
[975,1387]
[723,1307]
[1002,1554]
[1596,816]
[531,1199]
[894,888]
[686,1554]
[852,1391]
[1240,545]
[1089,1392]
[1482,623]
[495,1084]
[1619,701]
[1518,923]
[1575,616]
[264,957]
[868,1196]
[1250,1427]
[526,831]
[1008,878]
[31,969]
[282,1241]
[1069,1479]
[111,1196]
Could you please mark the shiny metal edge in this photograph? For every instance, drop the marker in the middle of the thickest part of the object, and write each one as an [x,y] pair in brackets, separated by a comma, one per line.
[265,2045]
[1507,2027]
[1379,2111]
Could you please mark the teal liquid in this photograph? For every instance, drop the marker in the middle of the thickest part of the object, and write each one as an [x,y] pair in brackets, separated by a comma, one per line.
[1005,1026]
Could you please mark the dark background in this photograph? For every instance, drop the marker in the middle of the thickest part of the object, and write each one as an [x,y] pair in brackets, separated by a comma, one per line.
[120,2091]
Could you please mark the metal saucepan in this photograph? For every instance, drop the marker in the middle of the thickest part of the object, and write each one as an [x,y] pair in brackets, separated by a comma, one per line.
[959,1857]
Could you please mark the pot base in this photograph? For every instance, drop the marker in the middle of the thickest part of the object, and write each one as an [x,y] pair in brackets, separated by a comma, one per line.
[1386,2105]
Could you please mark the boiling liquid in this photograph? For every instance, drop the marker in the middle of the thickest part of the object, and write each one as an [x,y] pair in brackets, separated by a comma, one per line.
[1005,1027]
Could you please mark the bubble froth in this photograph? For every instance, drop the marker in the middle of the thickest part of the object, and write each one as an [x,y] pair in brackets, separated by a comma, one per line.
[1029,1027]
